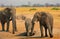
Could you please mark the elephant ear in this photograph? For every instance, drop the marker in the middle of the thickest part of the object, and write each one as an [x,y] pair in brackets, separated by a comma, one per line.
[7,10]
[14,19]
[38,16]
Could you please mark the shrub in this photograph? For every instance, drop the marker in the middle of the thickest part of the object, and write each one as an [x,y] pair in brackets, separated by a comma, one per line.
[32,9]
[55,8]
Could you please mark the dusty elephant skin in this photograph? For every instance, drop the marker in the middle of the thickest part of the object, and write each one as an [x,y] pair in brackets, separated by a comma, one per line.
[6,16]
[28,25]
[45,20]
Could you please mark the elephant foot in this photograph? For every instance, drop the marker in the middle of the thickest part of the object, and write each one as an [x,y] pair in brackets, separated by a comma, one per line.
[13,32]
[51,36]
[42,36]
[3,30]
[31,34]
[46,35]
[7,30]
[28,35]
[16,30]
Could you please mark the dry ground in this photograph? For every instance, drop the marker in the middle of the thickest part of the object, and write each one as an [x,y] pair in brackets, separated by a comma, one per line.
[21,27]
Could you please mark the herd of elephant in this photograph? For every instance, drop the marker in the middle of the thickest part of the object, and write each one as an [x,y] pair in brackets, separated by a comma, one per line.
[45,20]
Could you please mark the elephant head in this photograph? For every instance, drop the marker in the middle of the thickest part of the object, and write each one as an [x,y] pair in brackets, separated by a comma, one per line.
[36,17]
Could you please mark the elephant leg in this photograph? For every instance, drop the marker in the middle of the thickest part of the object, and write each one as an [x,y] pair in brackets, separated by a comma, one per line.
[52,30]
[27,30]
[32,28]
[15,28]
[3,26]
[41,30]
[49,29]
[46,32]
[7,26]
[14,25]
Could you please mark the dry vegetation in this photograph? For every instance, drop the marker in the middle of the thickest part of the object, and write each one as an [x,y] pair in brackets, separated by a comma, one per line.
[29,12]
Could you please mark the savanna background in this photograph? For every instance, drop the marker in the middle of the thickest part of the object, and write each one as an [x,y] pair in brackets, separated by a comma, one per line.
[29,13]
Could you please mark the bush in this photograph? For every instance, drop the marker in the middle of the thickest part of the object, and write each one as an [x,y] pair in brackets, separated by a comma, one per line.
[55,8]
[33,9]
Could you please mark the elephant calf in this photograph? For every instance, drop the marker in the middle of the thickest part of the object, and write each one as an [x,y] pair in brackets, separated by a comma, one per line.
[28,25]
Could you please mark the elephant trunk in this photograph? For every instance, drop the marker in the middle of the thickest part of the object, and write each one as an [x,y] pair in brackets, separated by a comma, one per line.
[14,20]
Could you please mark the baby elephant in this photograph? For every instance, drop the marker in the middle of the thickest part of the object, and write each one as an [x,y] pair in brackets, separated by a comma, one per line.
[28,25]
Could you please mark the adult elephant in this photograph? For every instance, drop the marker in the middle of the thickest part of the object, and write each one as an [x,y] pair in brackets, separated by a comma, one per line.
[7,15]
[45,20]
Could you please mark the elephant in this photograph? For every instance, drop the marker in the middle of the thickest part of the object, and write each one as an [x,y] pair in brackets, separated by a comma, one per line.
[28,25]
[7,15]
[45,20]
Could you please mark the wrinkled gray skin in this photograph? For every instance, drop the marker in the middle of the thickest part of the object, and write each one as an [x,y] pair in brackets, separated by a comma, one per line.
[28,24]
[7,15]
[45,20]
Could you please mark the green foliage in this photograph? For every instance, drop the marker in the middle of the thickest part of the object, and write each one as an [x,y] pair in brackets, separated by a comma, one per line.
[55,8]
[32,9]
